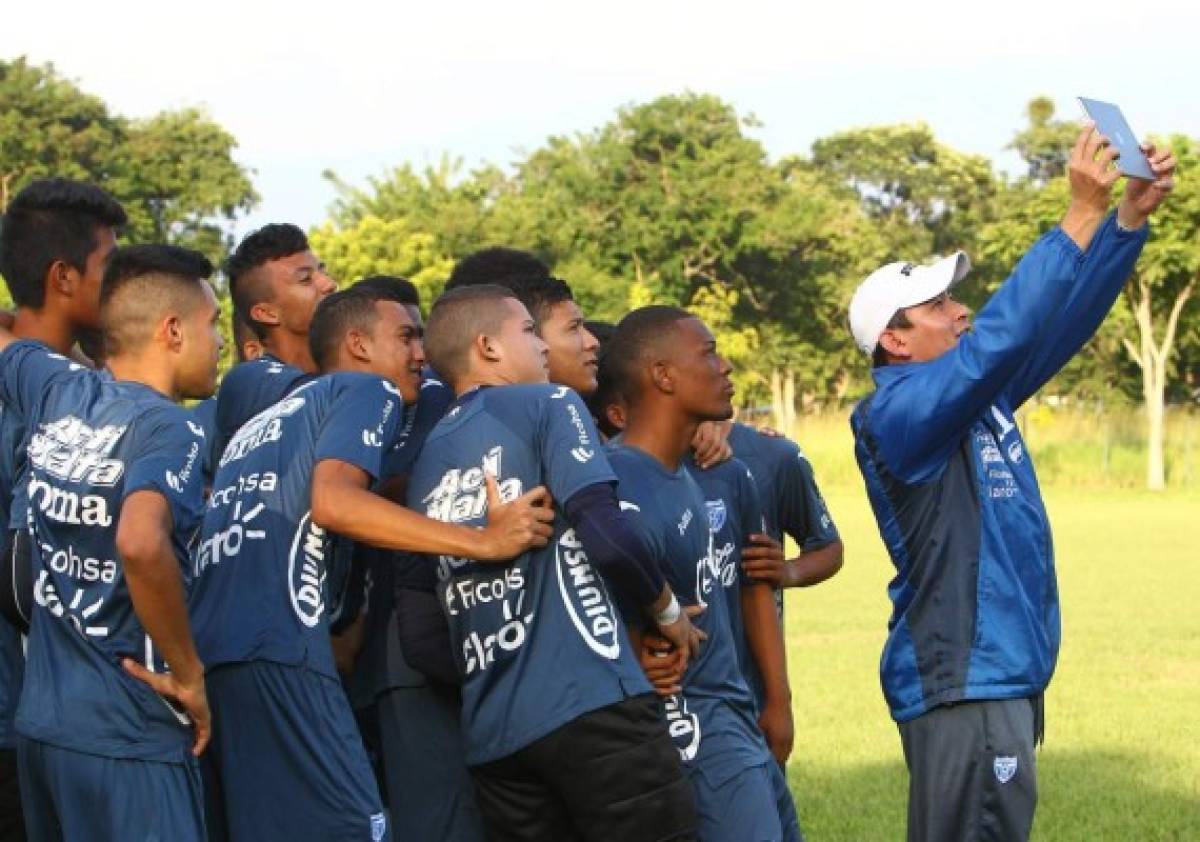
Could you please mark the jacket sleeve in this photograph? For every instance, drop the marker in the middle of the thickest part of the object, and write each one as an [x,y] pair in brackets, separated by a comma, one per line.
[920,412]
[1108,263]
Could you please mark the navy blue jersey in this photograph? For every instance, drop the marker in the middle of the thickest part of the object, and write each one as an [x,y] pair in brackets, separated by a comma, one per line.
[537,640]
[792,502]
[205,416]
[381,665]
[261,590]
[734,514]
[713,720]
[92,442]
[246,390]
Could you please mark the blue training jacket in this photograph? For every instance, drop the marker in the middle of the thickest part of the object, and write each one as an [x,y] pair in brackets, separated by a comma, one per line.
[975,599]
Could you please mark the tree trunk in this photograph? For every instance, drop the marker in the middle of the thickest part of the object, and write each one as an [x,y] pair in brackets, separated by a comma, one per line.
[1152,358]
[783,400]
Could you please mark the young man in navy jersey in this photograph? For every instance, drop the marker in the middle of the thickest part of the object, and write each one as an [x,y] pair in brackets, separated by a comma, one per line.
[276,282]
[55,240]
[114,500]
[665,365]
[563,736]
[290,762]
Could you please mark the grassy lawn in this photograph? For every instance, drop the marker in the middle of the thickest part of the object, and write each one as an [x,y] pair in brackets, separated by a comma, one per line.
[1122,753]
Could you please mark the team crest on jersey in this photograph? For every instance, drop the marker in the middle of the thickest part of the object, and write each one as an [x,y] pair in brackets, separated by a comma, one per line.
[1005,768]
[716,514]
[586,598]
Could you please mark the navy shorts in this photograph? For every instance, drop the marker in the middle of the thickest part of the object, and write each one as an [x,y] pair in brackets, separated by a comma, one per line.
[69,795]
[745,807]
[288,760]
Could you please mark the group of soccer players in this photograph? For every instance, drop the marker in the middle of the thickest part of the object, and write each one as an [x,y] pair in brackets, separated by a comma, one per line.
[493,573]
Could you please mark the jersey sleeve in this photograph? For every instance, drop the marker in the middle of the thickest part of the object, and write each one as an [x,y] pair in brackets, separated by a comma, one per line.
[572,457]
[169,458]
[361,424]
[637,521]
[27,369]
[802,511]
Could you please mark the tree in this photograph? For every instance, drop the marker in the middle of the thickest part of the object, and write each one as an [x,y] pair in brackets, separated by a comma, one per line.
[1046,144]
[1158,294]
[50,127]
[374,246]
[174,173]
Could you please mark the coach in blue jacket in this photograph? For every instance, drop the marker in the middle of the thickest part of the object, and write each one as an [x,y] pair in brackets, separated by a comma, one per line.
[974,631]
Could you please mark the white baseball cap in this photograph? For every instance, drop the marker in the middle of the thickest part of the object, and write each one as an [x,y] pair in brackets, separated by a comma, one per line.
[898,285]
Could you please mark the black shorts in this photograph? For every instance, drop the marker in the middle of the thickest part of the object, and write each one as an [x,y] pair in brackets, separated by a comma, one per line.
[612,774]
[16,578]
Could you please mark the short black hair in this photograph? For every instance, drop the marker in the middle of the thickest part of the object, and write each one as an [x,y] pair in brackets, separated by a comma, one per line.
[140,279]
[496,265]
[528,278]
[51,219]
[271,242]
[395,288]
[457,317]
[603,331]
[899,319]
[340,312]
[636,334]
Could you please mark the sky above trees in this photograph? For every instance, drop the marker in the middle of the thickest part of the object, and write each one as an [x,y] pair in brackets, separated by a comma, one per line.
[358,87]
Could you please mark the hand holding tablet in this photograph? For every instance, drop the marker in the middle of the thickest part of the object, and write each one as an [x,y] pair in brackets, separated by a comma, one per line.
[1111,123]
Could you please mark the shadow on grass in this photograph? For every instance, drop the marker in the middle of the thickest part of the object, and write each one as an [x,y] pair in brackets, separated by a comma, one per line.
[1095,795]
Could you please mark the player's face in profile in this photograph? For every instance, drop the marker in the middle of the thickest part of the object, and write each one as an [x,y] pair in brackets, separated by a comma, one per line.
[571,347]
[523,353]
[86,305]
[701,374]
[298,283]
[201,347]
[396,349]
[936,327]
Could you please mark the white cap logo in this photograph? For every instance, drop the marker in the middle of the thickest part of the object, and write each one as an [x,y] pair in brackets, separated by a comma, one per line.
[895,286]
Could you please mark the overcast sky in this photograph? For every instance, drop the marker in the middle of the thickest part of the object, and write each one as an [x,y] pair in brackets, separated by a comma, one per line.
[357,87]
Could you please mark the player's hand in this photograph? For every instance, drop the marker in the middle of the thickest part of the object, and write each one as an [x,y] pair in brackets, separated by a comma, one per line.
[1142,197]
[763,561]
[1090,171]
[515,527]
[191,696]
[776,724]
[663,664]
[710,445]
[683,635]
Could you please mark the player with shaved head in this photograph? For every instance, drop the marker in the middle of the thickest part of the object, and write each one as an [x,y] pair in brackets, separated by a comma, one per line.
[114,500]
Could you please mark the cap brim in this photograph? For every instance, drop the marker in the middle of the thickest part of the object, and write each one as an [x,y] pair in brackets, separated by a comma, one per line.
[932,280]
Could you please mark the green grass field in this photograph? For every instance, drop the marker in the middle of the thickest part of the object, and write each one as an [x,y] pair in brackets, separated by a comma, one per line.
[1122,754]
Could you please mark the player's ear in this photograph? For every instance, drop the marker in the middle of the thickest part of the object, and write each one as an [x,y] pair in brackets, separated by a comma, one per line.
[358,345]
[264,313]
[489,348]
[172,332]
[61,278]
[660,376]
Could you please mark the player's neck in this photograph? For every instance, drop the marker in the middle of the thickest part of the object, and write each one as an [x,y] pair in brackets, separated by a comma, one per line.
[44,326]
[291,349]
[147,367]
[661,433]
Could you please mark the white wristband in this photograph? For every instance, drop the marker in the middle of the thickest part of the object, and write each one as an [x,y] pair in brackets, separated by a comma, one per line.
[669,614]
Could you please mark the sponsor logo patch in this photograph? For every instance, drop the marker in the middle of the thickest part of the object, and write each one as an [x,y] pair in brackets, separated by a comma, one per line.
[585,597]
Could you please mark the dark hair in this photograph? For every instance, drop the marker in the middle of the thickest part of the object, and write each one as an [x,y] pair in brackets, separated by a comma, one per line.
[271,242]
[242,333]
[339,313]
[393,288]
[636,334]
[51,219]
[144,277]
[603,331]
[528,278]
[879,356]
[456,319]
[606,391]
[496,265]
